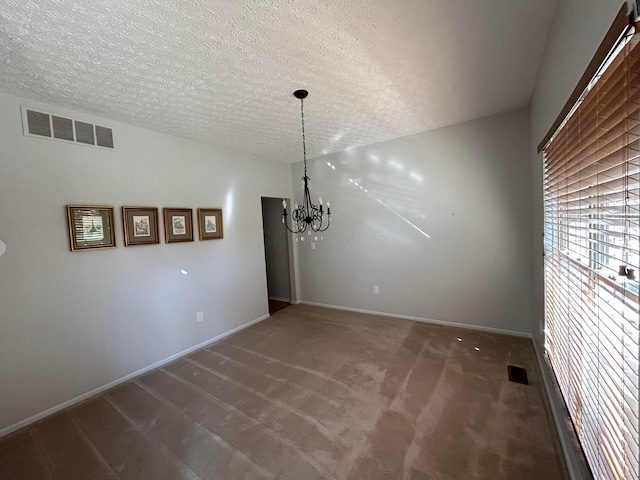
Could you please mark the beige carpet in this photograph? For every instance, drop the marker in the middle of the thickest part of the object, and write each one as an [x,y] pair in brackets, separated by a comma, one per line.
[311,393]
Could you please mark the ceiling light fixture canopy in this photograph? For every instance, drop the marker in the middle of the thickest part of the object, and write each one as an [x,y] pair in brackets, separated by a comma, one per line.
[308,216]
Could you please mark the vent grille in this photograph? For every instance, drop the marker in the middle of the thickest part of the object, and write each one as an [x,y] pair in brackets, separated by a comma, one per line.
[60,128]
[38,123]
[104,137]
[517,374]
[84,133]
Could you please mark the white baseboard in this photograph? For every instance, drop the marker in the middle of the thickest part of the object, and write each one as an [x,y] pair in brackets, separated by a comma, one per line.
[280,299]
[50,411]
[502,331]
[576,466]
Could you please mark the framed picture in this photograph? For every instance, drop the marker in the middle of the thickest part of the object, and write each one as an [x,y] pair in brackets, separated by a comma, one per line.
[178,225]
[140,225]
[210,223]
[90,226]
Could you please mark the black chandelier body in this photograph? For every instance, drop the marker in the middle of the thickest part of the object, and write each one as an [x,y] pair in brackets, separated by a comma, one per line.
[307,216]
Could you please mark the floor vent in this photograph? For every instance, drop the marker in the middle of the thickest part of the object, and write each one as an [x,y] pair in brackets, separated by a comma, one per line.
[59,128]
[518,374]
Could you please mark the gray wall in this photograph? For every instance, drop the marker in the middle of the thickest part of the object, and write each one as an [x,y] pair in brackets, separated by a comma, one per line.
[578,29]
[72,322]
[276,248]
[467,186]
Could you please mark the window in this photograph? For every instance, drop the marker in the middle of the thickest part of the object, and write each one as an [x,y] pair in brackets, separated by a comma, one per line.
[591,208]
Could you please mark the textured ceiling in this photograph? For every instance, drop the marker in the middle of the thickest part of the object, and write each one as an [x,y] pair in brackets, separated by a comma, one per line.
[223,72]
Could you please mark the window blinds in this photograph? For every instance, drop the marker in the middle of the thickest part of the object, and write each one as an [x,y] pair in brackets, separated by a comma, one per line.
[591,208]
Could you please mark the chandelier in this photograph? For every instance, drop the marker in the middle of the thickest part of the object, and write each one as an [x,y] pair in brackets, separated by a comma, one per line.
[308,216]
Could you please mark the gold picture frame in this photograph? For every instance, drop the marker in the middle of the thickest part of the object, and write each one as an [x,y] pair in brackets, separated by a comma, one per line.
[178,225]
[140,226]
[91,227]
[210,223]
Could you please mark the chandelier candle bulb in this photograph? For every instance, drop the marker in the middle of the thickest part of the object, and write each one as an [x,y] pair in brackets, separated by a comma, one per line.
[284,203]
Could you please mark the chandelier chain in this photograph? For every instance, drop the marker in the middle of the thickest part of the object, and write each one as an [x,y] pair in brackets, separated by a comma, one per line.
[304,144]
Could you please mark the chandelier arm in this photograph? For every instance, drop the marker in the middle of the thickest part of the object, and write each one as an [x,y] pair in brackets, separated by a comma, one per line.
[295,232]
[325,228]
[286,224]
[328,223]
[298,215]
[318,220]
[298,219]
[301,219]
[317,216]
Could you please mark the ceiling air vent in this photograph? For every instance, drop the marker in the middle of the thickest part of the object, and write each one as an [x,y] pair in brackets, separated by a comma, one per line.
[60,128]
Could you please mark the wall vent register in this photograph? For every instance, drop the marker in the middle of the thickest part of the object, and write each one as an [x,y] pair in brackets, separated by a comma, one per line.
[65,129]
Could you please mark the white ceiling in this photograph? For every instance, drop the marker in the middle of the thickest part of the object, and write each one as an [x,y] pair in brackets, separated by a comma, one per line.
[223,72]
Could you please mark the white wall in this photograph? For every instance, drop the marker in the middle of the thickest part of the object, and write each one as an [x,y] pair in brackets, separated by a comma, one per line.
[73,321]
[467,186]
[276,247]
[578,29]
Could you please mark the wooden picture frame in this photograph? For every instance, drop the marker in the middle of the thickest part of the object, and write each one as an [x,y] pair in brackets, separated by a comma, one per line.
[178,225]
[140,225]
[91,227]
[210,223]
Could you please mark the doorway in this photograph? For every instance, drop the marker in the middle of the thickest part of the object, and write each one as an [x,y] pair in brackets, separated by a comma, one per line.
[277,255]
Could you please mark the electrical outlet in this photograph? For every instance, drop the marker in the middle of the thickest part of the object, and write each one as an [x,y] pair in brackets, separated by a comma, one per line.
[376,290]
[199,316]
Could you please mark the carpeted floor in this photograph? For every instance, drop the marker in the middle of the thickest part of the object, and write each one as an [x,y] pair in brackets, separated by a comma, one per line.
[311,393]
[275,305]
